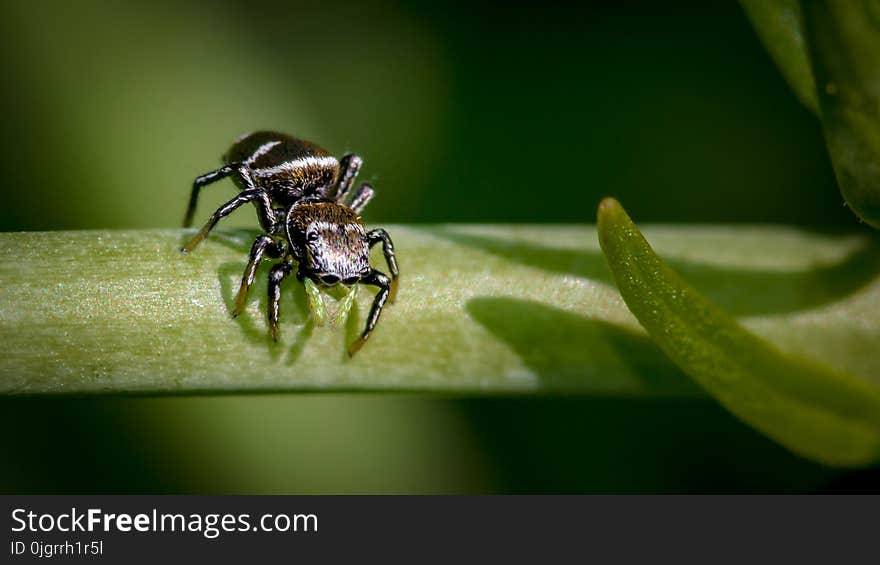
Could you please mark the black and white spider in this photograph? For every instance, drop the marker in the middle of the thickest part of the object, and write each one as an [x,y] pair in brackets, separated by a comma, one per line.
[310,216]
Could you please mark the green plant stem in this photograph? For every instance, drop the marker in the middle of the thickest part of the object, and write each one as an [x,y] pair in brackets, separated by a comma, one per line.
[481,309]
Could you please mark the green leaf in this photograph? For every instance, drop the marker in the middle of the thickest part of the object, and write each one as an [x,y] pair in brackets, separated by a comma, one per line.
[481,309]
[844,42]
[780,25]
[811,409]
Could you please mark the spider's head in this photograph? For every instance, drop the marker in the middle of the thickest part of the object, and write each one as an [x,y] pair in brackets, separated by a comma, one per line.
[331,242]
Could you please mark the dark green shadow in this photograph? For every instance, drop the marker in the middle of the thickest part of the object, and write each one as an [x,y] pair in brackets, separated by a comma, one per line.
[236,239]
[742,292]
[294,307]
[583,444]
[616,444]
[569,351]
[85,445]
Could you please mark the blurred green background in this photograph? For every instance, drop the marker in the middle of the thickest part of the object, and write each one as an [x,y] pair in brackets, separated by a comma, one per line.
[463,112]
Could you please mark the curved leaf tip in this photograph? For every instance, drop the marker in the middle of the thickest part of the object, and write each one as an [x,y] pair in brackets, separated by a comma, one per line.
[818,413]
[844,43]
[827,51]
[779,24]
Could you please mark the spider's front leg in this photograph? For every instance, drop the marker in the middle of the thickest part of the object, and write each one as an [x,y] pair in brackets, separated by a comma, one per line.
[375,278]
[263,245]
[380,235]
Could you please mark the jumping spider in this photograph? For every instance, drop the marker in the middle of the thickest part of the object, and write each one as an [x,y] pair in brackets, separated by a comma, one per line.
[301,194]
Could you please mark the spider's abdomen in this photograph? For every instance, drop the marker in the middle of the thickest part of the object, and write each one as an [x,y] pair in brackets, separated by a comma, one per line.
[287,167]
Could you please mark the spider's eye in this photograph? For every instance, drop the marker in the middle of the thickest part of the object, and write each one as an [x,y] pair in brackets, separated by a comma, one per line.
[312,236]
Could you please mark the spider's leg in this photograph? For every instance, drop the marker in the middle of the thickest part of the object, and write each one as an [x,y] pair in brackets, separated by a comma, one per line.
[250,195]
[349,166]
[361,198]
[374,237]
[375,278]
[278,273]
[265,212]
[262,245]
[205,180]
